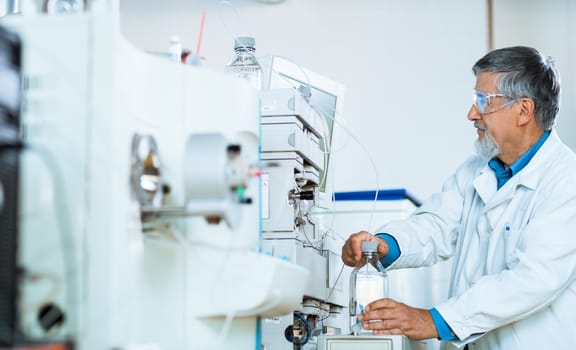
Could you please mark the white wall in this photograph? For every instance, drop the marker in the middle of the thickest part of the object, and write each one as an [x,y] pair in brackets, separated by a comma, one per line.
[406,66]
[549,26]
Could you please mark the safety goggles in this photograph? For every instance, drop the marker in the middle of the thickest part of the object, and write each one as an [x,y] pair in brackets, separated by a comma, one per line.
[483,101]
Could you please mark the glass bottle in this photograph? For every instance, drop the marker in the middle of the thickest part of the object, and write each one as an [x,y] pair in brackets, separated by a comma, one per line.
[244,65]
[368,282]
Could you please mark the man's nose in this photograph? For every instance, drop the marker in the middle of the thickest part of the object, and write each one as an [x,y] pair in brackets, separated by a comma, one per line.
[473,113]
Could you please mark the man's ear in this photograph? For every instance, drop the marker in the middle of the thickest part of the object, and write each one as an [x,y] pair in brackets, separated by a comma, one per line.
[526,111]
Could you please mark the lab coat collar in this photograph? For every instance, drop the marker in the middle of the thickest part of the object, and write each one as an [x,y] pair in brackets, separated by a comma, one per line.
[529,177]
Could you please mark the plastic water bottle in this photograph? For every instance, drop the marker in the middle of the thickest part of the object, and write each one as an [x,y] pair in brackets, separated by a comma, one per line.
[175,49]
[368,282]
[244,65]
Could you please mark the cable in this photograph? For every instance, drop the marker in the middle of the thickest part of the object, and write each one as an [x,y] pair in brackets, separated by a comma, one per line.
[368,154]
[66,235]
[52,294]
[300,326]
[224,331]
[231,31]
[224,3]
[312,245]
[322,309]
[218,274]
[336,282]
[335,121]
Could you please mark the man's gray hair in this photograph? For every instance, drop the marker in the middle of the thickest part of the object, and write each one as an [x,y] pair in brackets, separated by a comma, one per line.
[525,72]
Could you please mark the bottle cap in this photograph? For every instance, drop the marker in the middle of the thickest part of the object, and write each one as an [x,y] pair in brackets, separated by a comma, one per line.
[369,247]
[244,41]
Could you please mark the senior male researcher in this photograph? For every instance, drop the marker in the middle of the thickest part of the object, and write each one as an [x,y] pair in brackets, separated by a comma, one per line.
[507,216]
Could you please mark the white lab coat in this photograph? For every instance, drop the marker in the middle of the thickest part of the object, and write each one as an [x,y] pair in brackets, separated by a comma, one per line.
[513,283]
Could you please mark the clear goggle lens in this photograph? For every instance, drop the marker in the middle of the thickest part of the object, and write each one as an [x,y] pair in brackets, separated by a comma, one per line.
[483,101]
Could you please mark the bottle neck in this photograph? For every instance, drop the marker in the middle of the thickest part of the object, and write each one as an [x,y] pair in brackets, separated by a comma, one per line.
[370,255]
[245,50]
[372,260]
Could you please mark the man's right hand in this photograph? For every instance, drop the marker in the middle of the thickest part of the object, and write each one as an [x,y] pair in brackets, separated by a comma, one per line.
[352,251]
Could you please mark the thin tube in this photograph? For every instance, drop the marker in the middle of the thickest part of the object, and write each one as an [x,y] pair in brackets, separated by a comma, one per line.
[12,7]
[201,33]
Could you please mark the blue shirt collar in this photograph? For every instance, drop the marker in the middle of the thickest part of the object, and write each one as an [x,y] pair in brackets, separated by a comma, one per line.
[503,175]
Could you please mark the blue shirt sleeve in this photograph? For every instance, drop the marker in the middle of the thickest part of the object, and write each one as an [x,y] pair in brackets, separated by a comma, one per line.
[444,331]
[393,249]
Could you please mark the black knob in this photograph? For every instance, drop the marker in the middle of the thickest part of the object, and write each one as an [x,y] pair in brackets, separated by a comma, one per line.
[50,316]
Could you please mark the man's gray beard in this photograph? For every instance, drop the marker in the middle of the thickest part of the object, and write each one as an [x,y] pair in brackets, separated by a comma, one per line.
[487,147]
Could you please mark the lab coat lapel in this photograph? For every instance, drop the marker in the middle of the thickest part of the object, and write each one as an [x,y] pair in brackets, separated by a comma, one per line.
[485,184]
[495,201]
[497,204]
[503,195]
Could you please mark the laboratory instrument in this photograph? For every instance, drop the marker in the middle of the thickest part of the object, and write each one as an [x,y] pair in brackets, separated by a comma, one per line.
[137,196]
